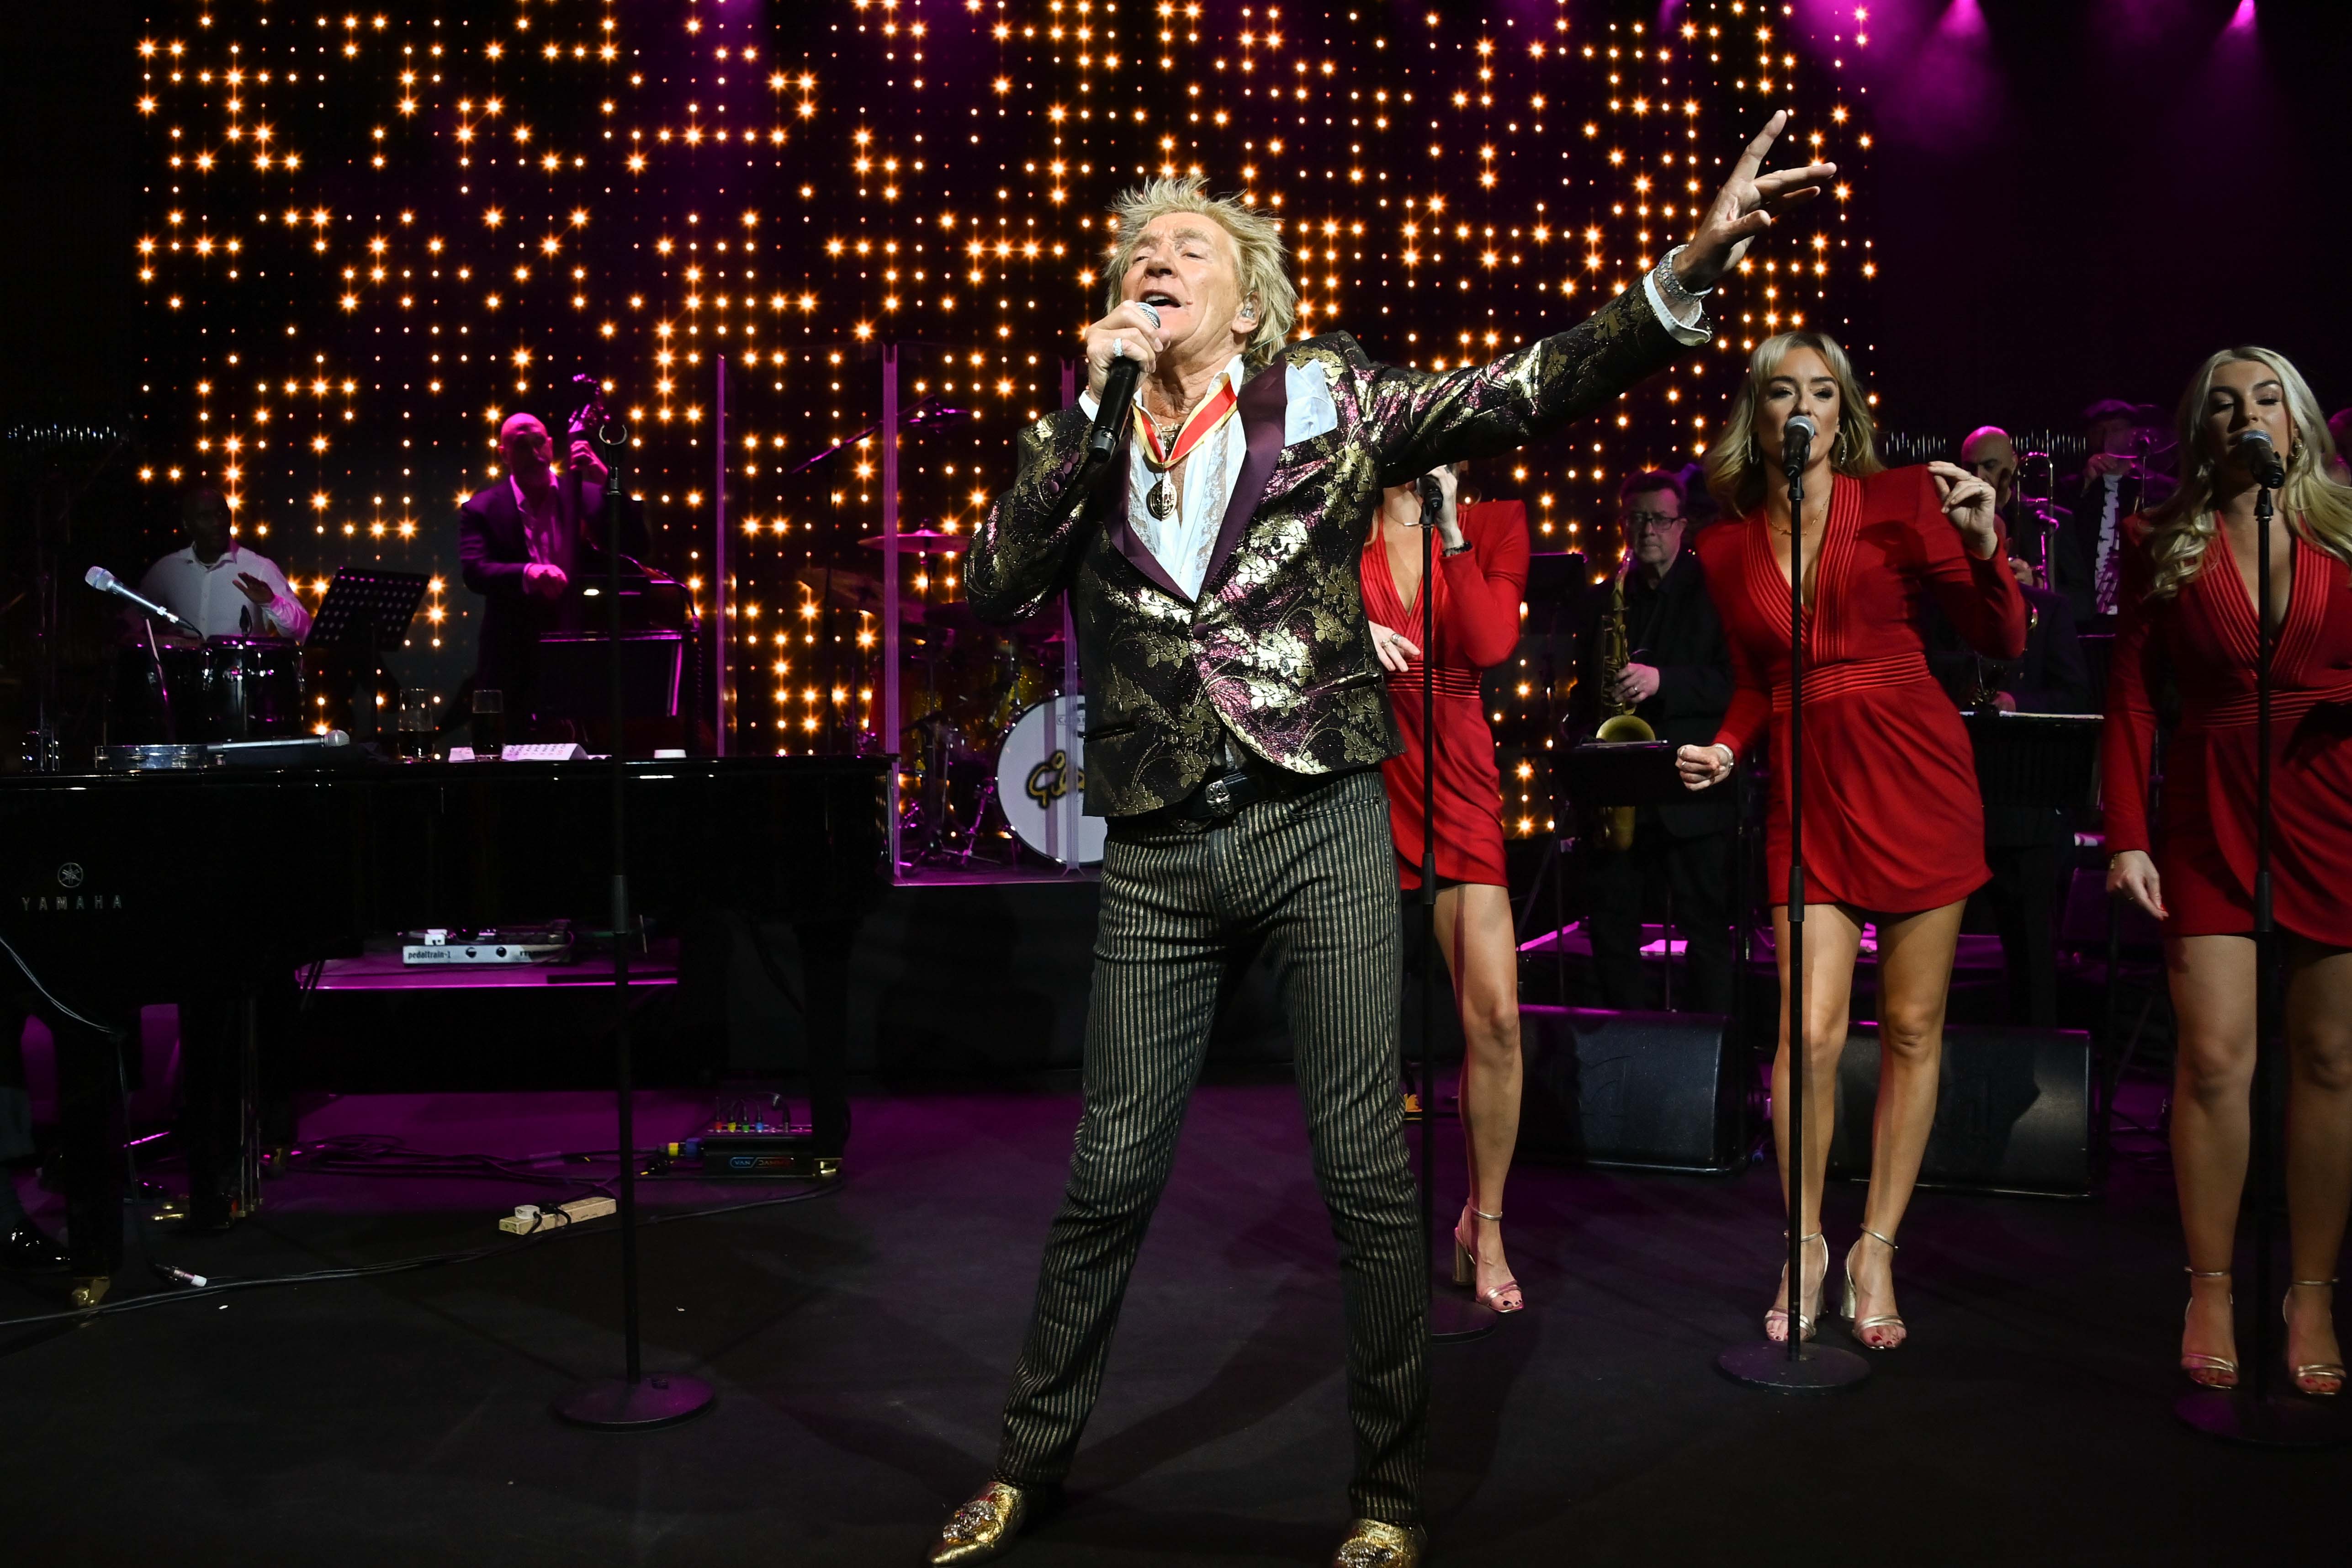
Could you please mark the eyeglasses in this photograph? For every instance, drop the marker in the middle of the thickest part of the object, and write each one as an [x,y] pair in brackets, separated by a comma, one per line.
[1646,522]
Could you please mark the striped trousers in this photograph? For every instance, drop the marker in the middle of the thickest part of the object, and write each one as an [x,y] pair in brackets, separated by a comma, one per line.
[1310,881]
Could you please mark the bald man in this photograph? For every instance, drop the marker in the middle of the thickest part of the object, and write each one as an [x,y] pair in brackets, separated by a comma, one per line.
[1992,456]
[521,543]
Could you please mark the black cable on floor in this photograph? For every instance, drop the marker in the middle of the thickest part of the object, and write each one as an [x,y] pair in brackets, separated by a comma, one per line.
[213,1286]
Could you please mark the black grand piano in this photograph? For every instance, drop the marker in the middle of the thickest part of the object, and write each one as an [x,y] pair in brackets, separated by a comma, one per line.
[115,885]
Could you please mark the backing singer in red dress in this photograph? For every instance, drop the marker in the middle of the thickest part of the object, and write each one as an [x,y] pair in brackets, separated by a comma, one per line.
[1481,576]
[2189,586]
[1894,825]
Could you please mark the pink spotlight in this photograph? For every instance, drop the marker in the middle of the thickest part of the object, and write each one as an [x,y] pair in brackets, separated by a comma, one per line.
[2244,17]
[1964,19]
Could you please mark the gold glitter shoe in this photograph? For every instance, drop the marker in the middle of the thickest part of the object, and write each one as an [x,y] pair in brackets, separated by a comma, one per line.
[984,1527]
[1372,1543]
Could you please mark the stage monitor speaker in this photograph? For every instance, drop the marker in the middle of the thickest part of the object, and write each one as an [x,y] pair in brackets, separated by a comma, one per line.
[2012,1112]
[1648,1091]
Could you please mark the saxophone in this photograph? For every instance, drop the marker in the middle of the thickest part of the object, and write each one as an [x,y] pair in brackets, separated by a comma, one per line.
[1623,723]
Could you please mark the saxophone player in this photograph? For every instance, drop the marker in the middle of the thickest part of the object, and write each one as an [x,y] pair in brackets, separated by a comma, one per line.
[1672,671]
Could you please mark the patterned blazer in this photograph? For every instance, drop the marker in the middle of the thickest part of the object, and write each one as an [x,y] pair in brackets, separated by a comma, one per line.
[1276,649]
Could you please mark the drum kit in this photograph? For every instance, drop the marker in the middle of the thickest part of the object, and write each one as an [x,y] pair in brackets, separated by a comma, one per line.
[993,746]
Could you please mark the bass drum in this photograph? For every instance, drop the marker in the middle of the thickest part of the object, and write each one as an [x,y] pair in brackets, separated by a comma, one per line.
[1040,783]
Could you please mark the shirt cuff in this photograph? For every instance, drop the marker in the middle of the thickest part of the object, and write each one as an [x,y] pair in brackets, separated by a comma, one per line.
[1088,407]
[1690,332]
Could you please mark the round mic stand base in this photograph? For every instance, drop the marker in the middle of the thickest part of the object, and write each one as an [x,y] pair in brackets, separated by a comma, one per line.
[1816,1368]
[1453,1316]
[2241,1416]
[617,1404]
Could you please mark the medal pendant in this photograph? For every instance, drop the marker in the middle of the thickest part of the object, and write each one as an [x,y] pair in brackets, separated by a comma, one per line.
[1157,500]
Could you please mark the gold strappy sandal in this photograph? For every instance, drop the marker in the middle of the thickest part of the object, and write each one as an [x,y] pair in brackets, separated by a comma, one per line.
[1861,1327]
[2208,1371]
[1776,1319]
[2308,1377]
[1466,1270]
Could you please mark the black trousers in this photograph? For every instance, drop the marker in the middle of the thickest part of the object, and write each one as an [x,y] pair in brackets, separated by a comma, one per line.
[1697,872]
[1311,880]
[2023,893]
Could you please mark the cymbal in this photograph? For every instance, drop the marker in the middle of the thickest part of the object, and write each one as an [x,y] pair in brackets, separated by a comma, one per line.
[930,541]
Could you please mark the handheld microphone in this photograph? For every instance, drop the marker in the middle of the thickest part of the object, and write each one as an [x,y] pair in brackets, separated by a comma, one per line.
[1797,443]
[105,581]
[1119,393]
[2262,460]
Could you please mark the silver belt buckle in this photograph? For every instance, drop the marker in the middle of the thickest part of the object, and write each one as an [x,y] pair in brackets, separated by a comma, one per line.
[1218,796]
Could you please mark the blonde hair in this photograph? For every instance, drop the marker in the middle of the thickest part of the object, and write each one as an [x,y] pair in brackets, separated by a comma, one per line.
[2183,523]
[1256,242]
[1735,471]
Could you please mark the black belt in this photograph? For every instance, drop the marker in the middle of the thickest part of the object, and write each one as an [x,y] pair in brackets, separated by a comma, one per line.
[1223,797]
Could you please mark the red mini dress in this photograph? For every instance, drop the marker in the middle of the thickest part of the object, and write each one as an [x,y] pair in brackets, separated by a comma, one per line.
[1477,604]
[2204,637]
[1893,823]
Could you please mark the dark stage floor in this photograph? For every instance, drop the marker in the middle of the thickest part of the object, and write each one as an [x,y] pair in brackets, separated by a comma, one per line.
[860,1343]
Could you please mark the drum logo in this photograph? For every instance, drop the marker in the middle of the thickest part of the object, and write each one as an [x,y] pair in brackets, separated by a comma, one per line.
[1050,780]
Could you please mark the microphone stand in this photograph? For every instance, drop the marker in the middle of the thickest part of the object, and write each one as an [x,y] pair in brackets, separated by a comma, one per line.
[632,1402]
[2251,1413]
[1451,1317]
[1800,1365]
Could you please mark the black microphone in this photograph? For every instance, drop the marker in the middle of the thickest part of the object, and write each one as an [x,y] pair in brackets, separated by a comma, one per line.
[1433,499]
[2261,459]
[1110,416]
[1119,393]
[1797,443]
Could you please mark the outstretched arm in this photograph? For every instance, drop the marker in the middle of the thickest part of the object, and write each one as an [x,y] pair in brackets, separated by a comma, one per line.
[1419,420]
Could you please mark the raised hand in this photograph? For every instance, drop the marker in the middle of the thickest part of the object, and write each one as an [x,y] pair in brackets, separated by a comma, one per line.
[1127,331]
[1969,502]
[254,588]
[1745,209]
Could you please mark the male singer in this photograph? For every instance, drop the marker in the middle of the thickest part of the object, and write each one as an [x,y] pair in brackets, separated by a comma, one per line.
[519,542]
[1236,724]
[217,585]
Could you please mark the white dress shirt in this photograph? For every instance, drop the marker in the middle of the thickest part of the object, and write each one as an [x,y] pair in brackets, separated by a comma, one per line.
[1183,542]
[208,597]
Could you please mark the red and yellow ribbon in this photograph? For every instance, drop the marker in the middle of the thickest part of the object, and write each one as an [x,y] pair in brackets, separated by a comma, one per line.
[1205,419]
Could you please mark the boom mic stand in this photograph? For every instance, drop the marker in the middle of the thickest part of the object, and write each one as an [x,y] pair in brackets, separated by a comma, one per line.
[1801,1365]
[1451,1317]
[632,1402]
[2250,1413]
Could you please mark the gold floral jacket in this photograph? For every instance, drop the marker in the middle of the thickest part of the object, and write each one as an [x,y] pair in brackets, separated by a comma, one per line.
[1276,650]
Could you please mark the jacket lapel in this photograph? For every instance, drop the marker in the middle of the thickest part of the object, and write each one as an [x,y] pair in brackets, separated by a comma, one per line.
[1117,528]
[1265,406]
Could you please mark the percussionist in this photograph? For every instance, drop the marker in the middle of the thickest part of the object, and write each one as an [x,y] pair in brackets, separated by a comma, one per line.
[219,586]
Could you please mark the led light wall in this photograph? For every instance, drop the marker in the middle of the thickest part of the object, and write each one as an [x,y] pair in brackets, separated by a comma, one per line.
[373,233]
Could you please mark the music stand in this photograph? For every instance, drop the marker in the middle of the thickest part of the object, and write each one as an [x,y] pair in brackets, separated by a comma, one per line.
[2043,762]
[364,609]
